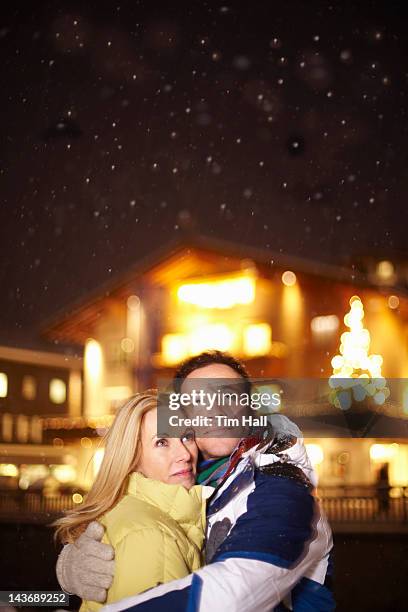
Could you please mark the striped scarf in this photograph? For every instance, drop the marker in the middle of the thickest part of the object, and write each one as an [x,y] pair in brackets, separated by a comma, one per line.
[211,471]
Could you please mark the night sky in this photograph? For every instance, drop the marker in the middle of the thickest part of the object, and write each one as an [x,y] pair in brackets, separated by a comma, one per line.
[276,124]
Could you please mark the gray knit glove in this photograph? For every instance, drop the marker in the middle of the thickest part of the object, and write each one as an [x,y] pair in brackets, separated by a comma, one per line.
[86,567]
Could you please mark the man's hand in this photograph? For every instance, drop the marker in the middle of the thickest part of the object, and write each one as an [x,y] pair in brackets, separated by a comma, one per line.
[86,567]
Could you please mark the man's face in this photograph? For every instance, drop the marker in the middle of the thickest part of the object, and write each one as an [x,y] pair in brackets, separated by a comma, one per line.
[213,448]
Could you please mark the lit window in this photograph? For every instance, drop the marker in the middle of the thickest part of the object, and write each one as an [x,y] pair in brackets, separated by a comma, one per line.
[174,348]
[58,391]
[257,339]
[216,336]
[6,427]
[22,428]
[3,384]
[324,324]
[8,469]
[29,389]
[385,270]
[381,453]
[93,360]
[224,293]
[315,453]
[64,473]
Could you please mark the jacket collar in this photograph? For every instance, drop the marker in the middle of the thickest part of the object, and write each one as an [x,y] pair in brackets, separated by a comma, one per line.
[184,506]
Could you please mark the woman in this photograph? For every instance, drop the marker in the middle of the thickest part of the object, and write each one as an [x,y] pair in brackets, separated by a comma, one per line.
[144,495]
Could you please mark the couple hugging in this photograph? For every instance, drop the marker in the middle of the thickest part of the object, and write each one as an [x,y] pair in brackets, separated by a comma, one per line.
[250,536]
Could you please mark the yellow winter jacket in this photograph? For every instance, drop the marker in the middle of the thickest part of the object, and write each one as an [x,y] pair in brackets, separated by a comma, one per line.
[157,531]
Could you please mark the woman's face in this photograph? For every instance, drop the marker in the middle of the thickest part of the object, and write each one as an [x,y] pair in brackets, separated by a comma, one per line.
[171,460]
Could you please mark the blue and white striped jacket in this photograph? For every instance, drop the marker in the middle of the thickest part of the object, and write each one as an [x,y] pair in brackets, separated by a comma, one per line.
[268,542]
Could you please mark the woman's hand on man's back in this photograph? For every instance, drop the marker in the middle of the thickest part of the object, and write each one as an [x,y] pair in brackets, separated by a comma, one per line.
[86,567]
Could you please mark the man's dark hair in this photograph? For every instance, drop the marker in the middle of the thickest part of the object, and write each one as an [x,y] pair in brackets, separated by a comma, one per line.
[208,358]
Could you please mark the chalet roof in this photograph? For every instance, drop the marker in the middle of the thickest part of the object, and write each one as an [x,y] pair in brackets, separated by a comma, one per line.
[189,256]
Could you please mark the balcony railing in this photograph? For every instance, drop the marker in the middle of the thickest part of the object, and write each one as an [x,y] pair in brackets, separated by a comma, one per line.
[33,507]
[344,506]
[361,505]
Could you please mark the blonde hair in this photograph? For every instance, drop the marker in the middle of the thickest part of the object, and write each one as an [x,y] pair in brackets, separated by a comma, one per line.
[122,453]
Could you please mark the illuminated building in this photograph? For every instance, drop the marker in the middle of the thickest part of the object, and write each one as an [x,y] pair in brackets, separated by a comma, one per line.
[284,320]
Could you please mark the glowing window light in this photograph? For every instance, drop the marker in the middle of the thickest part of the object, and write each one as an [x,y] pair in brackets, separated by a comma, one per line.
[58,391]
[29,389]
[174,348]
[289,278]
[381,453]
[393,301]
[385,270]
[219,294]
[22,428]
[396,492]
[93,359]
[257,339]
[292,311]
[399,467]
[315,453]
[217,336]
[33,472]
[64,473]
[8,469]
[6,427]
[324,324]
[3,384]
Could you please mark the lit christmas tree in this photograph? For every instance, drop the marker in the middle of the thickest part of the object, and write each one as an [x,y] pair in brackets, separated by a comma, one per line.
[356,374]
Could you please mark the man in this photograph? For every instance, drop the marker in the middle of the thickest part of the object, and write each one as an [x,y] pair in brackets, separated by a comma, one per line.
[267,539]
